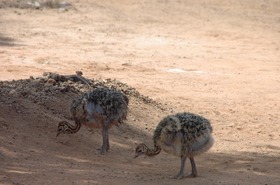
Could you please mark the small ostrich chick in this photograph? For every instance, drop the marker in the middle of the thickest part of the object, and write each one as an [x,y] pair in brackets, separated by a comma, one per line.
[101,108]
[184,135]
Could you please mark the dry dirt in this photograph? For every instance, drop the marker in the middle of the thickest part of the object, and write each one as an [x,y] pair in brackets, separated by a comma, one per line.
[216,58]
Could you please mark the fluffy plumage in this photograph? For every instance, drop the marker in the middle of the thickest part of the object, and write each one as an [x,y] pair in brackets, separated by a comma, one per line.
[101,108]
[184,135]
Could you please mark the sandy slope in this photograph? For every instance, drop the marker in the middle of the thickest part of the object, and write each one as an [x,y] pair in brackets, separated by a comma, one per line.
[215,58]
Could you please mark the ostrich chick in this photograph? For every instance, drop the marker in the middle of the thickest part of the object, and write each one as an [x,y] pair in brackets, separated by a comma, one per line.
[101,108]
[184,135]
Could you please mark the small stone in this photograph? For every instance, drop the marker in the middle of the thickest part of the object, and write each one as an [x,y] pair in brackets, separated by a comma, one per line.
[63,9]
[13,91]
[45,74]
[51,81]
[80,73]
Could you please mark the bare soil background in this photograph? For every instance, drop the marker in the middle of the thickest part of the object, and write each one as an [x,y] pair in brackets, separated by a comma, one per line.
[216,58]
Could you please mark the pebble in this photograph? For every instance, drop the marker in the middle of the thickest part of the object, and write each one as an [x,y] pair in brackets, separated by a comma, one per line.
[13,91]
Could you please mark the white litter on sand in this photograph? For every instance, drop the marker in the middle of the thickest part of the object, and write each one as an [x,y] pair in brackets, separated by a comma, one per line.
[178,70]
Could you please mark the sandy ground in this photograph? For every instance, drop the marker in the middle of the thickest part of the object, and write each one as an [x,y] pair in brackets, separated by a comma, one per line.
[216,58]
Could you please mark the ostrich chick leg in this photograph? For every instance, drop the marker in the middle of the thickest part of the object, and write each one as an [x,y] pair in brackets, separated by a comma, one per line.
[180,175]
[105,146]
[194,172]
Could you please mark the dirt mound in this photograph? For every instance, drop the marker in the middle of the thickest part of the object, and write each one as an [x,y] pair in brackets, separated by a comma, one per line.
[43,89]
[31,109]
[54,92]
